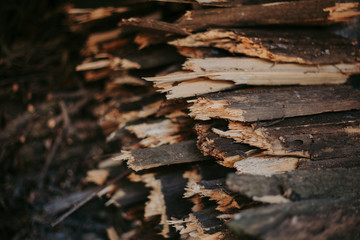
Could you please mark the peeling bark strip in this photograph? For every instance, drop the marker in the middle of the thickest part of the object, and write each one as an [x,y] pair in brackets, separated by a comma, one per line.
[258,104]
[298,185]
[279,45]
[319,12]
[313,219]
[146,158]
[153,25]
[319,137]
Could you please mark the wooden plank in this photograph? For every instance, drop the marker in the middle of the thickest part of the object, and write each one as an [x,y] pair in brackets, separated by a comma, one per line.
[316,137]
[297,185]
[147,158]
[279,45]
[319,12]
[312,219]
[258,104]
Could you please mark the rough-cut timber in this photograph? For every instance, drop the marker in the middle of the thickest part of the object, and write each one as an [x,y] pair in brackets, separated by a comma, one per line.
[278,45]
[146,158]
[251,105]
[318,137]
[311,219]
[298,185]
[215,74]
[319,12]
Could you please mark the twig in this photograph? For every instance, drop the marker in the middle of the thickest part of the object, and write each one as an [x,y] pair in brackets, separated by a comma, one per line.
[49,158]
[71,110]
[91,196]
[55,146]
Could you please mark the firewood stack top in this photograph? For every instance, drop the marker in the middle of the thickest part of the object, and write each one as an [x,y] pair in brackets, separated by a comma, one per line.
[238,117]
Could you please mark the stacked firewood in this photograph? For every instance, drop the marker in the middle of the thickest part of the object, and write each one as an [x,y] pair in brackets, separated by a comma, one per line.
[259,88]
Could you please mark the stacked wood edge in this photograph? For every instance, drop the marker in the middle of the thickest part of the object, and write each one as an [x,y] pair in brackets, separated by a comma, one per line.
[236,117]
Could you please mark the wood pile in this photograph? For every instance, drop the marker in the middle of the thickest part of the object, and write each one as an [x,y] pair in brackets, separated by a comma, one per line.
[198,90]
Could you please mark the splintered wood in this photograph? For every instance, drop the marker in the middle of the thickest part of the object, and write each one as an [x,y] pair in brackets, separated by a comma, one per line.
[279,45]
[259,104]
[232,113]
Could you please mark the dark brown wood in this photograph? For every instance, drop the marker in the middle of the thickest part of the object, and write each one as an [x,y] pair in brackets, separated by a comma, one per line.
[280,45]
[132,58]
[284,13]
[257,104]
[316,137]
[216,190]
[225,149]
[312,219]
[298,185]
[204,224]
[153,25]
[167,187]
[128,193]
[146,158]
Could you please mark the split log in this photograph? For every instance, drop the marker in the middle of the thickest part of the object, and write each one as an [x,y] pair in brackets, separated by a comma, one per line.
[312,219]
[146,158]
[319,12]
[165,199]
[128,112]
[204,224]
[250,105]
[297,185]
[215,74]
[145,59]
[278,45]
[316,137]
[216,190]
[163,131]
